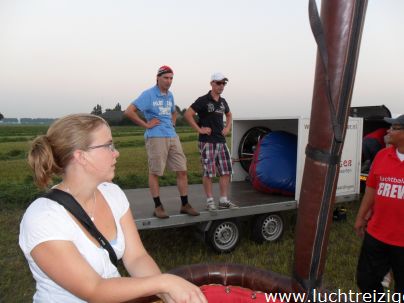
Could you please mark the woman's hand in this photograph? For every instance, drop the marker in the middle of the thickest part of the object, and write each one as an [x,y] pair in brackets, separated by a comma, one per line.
[178,290]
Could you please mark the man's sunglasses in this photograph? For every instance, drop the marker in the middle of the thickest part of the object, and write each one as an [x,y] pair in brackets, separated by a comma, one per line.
[218,83]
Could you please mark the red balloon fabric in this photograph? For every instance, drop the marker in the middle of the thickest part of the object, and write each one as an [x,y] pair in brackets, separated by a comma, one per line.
[234,294]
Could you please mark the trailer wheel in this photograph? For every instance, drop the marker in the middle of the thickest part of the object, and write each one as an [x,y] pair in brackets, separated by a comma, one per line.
[223,235]
[267,228]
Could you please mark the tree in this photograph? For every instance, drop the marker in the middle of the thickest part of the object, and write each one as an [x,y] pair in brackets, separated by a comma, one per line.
[97,110]
[180,116]
[1,116]
[117,107]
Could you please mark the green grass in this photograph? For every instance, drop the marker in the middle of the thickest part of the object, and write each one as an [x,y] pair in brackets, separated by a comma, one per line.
[16,282]
[22,130]
[171,247]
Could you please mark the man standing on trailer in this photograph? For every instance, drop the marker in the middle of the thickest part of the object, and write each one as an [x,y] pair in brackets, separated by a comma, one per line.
[162,142]
[383,232]
[215,156]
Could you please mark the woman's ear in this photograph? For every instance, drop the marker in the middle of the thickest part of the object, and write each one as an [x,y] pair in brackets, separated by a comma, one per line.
[80,156]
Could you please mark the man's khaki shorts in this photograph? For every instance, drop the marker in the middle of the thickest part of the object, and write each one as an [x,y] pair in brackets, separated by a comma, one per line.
[162,151]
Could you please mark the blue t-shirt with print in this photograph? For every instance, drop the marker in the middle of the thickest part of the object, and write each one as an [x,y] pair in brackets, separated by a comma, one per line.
[154,104]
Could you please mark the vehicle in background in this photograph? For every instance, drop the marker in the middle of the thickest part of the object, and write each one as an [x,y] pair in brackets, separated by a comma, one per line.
[374,130]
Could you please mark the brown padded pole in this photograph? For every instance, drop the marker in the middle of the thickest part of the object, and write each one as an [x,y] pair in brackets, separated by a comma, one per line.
[342,23]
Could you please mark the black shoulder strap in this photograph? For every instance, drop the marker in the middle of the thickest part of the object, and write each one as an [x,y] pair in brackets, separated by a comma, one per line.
[70,203]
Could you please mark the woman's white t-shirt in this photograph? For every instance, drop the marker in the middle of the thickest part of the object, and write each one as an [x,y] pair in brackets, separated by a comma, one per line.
[47,220]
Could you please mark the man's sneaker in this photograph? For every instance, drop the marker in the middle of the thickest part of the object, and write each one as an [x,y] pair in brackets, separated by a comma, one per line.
[210,205]
[227,204]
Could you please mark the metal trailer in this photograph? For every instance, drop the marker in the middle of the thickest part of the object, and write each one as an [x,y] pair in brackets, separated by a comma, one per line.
[221,228]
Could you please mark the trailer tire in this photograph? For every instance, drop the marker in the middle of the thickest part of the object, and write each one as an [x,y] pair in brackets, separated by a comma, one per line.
[223,235]
[267,228]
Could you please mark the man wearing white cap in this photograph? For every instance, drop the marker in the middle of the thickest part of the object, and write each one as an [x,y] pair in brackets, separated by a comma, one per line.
[383,232]
[215,156]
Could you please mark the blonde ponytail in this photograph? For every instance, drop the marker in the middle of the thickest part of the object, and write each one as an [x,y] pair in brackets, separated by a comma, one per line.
[51,153]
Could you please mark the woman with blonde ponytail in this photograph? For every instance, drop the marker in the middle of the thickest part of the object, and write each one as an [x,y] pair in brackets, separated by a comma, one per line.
[67,263]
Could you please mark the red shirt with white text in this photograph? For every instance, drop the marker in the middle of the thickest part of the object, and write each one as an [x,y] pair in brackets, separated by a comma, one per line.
[387,178]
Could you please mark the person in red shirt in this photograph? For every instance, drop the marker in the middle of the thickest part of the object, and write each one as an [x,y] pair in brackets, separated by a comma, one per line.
[383,232]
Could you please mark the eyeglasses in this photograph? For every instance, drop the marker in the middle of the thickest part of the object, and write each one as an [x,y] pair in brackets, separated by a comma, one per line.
[397,127]
[218,83]
[110,146]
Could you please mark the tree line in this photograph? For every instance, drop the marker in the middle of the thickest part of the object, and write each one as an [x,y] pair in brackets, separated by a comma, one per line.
[115,115]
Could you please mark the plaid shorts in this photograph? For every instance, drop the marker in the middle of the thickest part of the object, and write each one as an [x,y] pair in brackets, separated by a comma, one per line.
[215,156]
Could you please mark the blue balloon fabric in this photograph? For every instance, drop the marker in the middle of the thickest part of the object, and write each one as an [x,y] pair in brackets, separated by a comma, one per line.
[273,169]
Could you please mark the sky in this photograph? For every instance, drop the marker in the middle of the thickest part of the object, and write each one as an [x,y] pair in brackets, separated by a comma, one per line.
[65,56]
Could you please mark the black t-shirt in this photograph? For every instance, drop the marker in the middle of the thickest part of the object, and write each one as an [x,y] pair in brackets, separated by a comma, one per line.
[210,113]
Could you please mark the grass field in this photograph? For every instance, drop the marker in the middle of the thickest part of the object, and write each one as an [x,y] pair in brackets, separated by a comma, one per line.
[171,247]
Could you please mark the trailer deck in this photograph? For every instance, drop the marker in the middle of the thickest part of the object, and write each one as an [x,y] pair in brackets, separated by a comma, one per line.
[250,202]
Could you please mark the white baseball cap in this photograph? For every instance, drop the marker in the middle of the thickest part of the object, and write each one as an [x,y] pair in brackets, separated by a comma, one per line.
[218,77]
